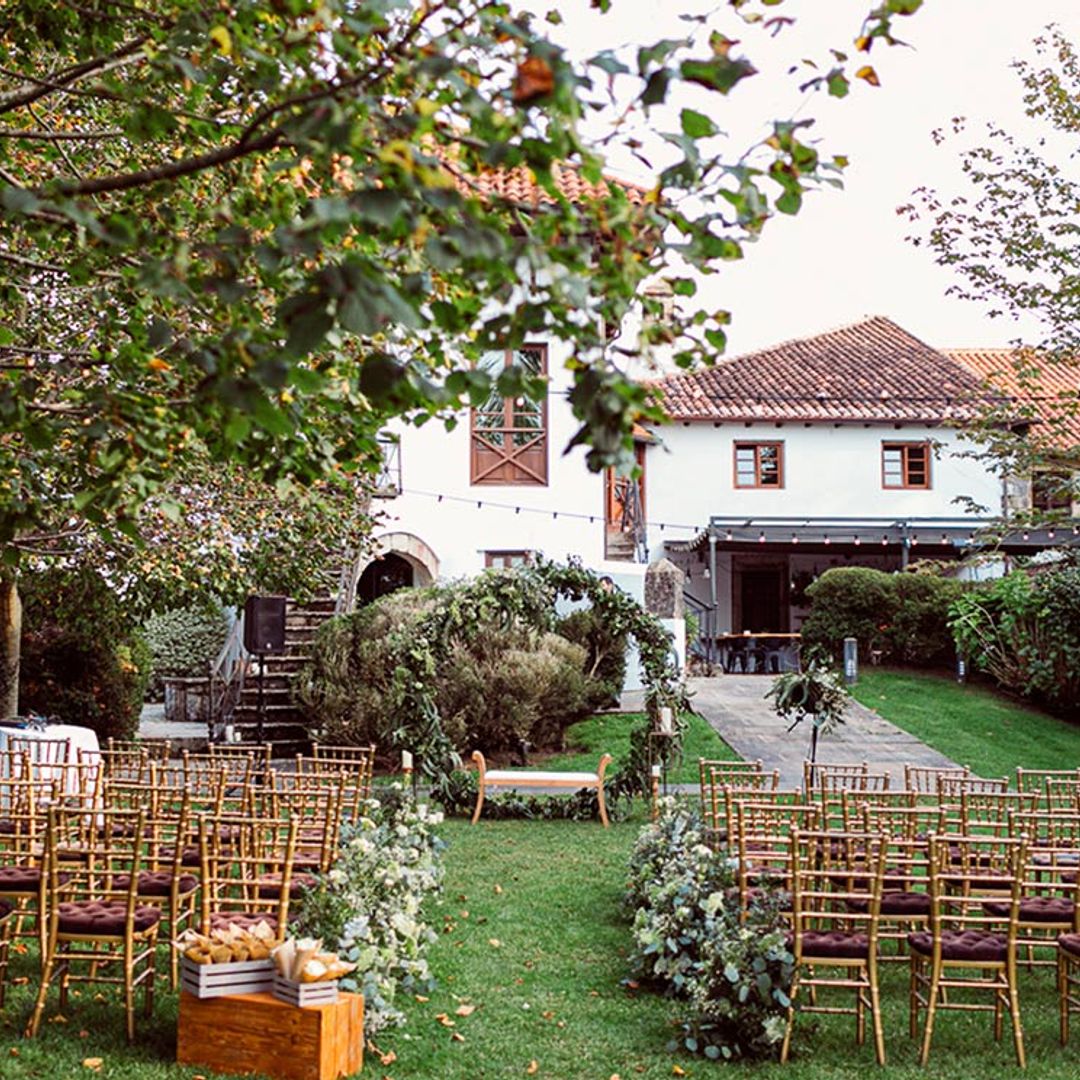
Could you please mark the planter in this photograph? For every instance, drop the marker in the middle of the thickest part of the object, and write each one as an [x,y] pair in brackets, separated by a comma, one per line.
[305,995]
[219,980]
[187,700]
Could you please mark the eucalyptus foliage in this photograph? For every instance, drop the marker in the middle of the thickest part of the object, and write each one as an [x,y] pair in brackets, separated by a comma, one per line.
[691,940]
[816,693]
[267,227]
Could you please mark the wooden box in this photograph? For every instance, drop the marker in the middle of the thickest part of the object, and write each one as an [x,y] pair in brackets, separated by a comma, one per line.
[216,980]
[305,995]
[256,1033]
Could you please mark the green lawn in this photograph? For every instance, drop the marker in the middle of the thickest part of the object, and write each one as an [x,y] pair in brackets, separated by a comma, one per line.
[532,937]
[972,725]
[610,732]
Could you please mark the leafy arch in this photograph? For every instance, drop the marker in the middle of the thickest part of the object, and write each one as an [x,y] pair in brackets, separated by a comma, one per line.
[524,594]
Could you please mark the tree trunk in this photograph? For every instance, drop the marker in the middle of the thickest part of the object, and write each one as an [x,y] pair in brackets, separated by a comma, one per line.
[10,634]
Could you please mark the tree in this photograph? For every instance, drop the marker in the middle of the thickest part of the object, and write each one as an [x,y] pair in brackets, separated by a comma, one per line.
[1013,236]
[267,227]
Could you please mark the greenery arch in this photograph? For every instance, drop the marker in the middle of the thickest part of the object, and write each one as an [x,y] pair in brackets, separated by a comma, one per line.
[525,594]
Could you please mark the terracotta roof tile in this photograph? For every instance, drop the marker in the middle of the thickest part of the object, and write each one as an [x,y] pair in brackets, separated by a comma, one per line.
[519,185]
[871,371]
[1049,387]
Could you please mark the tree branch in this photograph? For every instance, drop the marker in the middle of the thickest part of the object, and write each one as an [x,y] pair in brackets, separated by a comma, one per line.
[59,136]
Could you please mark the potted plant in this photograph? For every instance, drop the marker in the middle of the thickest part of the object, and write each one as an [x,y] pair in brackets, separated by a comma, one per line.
[816,693]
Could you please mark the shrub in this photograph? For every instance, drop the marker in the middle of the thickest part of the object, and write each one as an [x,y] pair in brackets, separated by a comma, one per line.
[81,660]
[183,642]
[1024,631]
[735,975]
[369,906]
[605,650]
[905,615]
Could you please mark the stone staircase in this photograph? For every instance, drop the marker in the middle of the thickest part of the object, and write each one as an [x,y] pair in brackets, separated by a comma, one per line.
[619,545]
[282,723]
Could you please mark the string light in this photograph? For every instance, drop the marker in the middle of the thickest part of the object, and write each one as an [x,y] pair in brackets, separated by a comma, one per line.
[858,541]
[761,538]
[1050,535]
[884,541]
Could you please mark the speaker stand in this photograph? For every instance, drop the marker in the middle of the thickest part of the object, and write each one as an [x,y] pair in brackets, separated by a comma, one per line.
[259,731]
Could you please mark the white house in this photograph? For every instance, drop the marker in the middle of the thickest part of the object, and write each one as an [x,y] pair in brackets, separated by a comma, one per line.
[842,448]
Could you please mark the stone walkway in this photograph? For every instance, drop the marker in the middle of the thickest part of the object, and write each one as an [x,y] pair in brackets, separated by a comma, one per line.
[736,708]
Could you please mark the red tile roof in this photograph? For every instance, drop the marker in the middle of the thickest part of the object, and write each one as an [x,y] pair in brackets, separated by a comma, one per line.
[519,185]
[1050,387]
[872,371]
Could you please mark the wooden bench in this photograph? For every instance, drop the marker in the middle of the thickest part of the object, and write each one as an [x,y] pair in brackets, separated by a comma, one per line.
[512,778]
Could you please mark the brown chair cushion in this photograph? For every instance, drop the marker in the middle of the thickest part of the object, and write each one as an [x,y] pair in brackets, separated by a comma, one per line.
[973,945]
[1051,910]
[24,879]
[1070,943]
[7,827]
[270,885]
[898,905]
[833,944]
[245,920]
[157,882]
[103,918]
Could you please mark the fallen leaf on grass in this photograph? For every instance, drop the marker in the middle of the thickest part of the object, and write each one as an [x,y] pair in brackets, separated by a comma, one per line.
[58,1019]
[495,943]
[533,1066]
[548,1014]
[498,889]
[388,1058]
[456,1036]
[445,1020]
[93,1063]
[84,1034]
[677,1070]
[465,1010]
[423,1000]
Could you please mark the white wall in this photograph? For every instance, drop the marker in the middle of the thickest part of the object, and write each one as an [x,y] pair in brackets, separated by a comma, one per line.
[436,462]
[829,471]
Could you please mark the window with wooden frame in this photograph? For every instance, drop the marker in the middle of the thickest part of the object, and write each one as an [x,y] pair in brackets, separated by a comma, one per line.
[759,464]
[509,438]
[507,560]
[905,465]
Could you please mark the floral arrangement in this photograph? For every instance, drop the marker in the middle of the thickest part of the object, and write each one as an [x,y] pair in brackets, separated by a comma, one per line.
[369,905]
[689,940]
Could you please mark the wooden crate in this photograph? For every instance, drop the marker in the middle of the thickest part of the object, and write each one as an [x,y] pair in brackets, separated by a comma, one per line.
[217,980]
[305,995]
[256,1033]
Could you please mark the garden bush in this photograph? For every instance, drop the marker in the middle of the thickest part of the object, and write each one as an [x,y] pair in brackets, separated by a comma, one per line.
[735,975]
[183,642]
[81,659]
[1023,630]
[605,650]
[904,615]
[498,674]
[369,906]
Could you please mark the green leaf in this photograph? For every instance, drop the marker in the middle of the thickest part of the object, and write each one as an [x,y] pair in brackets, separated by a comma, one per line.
[697,125]
[656,88]
[717,73]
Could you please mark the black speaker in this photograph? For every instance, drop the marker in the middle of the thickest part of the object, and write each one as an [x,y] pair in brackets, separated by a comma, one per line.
[264,624]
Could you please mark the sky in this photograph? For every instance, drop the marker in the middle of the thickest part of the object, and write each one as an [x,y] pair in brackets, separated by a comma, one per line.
[845,255]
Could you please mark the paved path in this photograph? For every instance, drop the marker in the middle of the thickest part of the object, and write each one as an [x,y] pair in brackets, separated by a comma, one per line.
[736,707]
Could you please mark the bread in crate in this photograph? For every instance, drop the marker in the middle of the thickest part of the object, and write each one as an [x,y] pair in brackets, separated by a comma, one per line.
[227,961]
[306,976]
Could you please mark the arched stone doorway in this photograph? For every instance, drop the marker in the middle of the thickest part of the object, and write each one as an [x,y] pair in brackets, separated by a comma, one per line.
[384,575]
[401,560]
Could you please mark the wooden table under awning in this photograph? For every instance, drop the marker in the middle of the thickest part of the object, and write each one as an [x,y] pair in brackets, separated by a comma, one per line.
[760,654]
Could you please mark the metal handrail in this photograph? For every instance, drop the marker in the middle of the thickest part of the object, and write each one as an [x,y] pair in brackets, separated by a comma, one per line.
[227,674]
[707,627]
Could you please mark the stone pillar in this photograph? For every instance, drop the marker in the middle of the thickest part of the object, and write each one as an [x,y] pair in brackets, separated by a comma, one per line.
[664,599]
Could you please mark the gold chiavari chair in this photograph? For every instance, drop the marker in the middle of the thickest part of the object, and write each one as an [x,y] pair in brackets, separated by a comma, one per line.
[239,769]
[41,751]
[317,810]
[94,913]
[715,773]
[23,879]
[355,794]
[836,902]
[988,813]
[763,849]
[950,788]
[14,764]
[967,948]
[127,762]
[357,761]
[833,776]
[1068,977]
[852,803]
[924,778]
[157,750]
[734,795]
[714,802]
[1036,779]
[247,868]
[1062,794]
